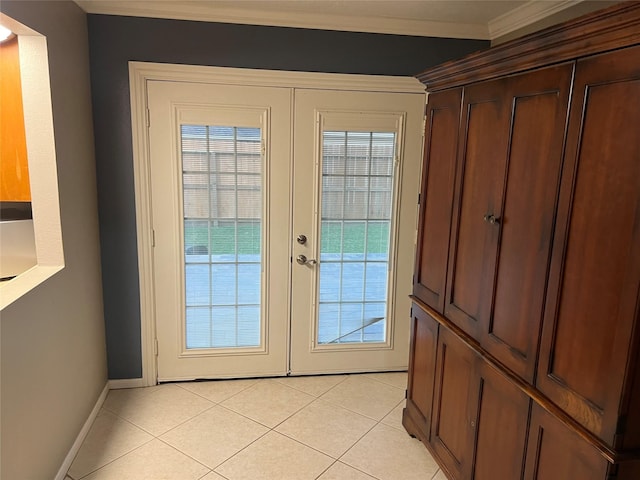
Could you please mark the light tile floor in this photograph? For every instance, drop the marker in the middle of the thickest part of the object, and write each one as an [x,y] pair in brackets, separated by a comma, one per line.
[339,427]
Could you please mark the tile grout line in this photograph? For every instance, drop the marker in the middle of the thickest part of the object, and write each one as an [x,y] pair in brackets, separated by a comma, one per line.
[214,403]
[153,435]
[378,422]
[273,429]
[225,399]
[359,413]
[300,390]
[120,456]
[186,421]
[115,459]
[270,429]
[372,377]
[186,455]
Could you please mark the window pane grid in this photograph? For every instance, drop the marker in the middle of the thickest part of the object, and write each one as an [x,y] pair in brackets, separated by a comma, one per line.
[222,188]
[357,182]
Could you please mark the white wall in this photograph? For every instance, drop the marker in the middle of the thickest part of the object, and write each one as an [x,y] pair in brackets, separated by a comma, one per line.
[52,355]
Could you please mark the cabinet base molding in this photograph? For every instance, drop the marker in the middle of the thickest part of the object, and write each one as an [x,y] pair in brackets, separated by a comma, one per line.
[416,425]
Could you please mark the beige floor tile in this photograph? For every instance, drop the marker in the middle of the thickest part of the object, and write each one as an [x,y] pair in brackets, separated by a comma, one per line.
[153,461]
[394,419]
[268,402]
[213,476]
[118,399]
[214,436]
[315,386]
[365,396]
[110,437]
[389,454]
[161,410]
[395,379]
[340,471]
[275,456]
[326,427]
[440,476]
[217,390]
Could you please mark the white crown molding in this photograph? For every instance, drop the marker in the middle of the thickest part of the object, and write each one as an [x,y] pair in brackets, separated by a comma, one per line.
[529,13]
[204,12]
[141,72]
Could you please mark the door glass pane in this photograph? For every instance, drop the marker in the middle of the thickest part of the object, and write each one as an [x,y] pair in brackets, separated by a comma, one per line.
[357,197]
[222,193]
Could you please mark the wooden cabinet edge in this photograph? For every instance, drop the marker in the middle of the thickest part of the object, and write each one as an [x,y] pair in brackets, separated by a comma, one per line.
[606,451]
[604,30]
[410,423]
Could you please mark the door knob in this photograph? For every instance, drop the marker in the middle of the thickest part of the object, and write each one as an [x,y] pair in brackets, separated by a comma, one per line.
[303,260]
[492,219]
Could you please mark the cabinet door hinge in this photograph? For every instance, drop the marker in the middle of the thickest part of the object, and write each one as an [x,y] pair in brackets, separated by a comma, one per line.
[419,198]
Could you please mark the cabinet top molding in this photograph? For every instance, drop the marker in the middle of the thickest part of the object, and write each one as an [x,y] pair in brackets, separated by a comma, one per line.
[608,29]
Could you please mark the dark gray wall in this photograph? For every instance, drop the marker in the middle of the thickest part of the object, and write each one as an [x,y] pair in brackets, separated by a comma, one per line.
[116,40]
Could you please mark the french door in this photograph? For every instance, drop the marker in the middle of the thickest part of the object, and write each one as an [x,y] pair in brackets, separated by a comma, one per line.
[355,161]
[278,225]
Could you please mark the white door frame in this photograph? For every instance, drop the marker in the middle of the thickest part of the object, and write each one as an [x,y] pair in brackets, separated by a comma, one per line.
[139,74]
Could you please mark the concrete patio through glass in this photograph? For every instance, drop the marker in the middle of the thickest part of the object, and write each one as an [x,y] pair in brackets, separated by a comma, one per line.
[223,299]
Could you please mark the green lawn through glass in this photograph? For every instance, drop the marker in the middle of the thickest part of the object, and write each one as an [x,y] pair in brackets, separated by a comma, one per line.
[223,237]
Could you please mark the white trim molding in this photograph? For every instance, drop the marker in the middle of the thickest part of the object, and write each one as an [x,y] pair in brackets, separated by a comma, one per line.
[140,73]
[517,18]
[206,12]
[123,383]
[84,431]
[531,12]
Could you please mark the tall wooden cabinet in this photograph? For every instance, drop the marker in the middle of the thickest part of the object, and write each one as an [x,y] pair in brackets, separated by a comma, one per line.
[525,354]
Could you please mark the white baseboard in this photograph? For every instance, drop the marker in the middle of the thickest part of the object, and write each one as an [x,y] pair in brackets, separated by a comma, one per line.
[82,435]
[126,383]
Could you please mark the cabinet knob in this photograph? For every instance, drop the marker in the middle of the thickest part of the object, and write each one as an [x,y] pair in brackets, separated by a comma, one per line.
[473,424]
[492,219]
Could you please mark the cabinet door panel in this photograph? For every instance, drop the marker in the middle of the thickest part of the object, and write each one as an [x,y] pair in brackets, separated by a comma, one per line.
[441,139]
[539,109]
[502,428]
[595,275]
[422,367]
[556,453]
[457,384]
[481,168]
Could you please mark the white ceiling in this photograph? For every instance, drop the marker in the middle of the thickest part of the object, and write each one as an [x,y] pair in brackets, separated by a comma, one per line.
[479,19]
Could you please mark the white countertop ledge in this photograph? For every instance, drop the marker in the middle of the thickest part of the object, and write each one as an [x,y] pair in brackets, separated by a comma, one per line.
[15,288]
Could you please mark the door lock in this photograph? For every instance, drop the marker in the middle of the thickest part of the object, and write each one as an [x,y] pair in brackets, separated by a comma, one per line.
[301,239]
[303,260]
